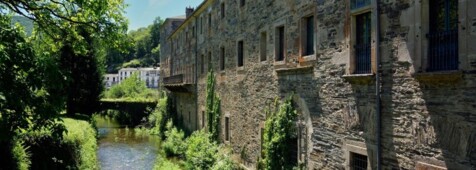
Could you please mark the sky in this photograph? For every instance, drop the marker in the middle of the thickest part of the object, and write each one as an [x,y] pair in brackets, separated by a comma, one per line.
[142,13]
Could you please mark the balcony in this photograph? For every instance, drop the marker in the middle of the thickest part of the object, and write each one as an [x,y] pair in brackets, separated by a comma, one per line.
[177,83]
[175,79]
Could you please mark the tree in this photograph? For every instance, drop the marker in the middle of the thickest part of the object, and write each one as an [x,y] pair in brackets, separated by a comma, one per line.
[24,100]
[76,31]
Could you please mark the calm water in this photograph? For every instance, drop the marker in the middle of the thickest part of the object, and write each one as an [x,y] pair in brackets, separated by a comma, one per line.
[123,148]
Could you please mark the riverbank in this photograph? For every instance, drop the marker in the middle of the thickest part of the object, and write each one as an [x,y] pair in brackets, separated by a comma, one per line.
[76,149]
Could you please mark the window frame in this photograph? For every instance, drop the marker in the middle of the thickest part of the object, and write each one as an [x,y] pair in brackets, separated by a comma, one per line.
[263,46]
[227,130]
[351,68]
[304,36]
[222,10]
[278,44]
[222,58]
[422,21]
[240,53]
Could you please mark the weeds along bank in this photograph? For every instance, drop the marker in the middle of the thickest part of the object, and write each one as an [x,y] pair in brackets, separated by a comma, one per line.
[40,149]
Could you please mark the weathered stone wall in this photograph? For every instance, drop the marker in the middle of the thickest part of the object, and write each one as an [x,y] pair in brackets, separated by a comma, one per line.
[427,118]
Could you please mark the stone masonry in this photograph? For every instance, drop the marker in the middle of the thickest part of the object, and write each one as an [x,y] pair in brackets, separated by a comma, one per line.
[428,117]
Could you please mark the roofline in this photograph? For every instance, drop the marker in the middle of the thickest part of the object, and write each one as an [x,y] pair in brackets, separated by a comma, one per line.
[200,9]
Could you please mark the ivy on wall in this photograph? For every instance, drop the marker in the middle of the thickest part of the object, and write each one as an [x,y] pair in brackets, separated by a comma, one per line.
[278,131]
[213,111]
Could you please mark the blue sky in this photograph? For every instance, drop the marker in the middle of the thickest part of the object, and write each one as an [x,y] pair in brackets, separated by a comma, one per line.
[142,13]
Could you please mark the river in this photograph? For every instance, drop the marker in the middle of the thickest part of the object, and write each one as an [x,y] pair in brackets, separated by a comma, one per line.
[122,148]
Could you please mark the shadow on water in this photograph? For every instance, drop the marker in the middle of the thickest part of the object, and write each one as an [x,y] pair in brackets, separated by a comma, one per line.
[121,147]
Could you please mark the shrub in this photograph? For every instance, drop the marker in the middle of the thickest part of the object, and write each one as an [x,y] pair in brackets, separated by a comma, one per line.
[157,119]
[224,161]
[201,151]
[174,144]
[83,135]
[77,149]
[131,88]
[162,163]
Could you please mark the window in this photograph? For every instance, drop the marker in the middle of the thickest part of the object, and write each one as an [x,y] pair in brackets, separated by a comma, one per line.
[308,36]
[280,51]
[240,53]
[362,44]
[227,128]
[262,46]
[443,35]
[202,67]
[358,161]
[201,25]
[242,3]
[209,62]
[222,10]
[356,4]
[222,58]
[209,22]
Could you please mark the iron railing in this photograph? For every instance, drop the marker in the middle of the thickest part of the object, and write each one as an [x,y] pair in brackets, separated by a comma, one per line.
[443,50]
[362,59]
[175,79]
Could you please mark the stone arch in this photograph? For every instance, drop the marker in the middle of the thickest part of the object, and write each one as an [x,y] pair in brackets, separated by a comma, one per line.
[305,130]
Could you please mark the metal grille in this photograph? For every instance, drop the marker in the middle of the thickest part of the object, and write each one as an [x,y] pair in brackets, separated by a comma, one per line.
[362,45]
[443,36]
[356,4]
[358,162]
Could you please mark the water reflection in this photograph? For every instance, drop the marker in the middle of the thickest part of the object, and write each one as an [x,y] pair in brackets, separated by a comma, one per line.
[124,148]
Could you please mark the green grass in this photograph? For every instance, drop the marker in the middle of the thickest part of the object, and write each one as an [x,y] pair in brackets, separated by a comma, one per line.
[82,134]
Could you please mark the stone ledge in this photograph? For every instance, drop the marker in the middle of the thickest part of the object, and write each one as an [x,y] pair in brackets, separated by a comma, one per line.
[444,77]
[307,60]
[294,70]
[359,78]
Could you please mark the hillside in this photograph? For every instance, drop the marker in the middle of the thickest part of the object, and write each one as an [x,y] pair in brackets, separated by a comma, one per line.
[25,22]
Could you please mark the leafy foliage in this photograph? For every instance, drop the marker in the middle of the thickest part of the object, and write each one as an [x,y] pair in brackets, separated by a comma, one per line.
[213,107]
[131,88]
[158,117]
[24,100]
[174,144]
[201,151]
[165,164]
[25,22]
[143,49]
[279,128]
[77,149]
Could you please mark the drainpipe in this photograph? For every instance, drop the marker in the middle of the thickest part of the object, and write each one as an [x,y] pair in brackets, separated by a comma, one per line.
[377,89]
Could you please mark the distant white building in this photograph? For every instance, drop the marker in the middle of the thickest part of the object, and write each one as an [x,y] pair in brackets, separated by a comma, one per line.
[150,75]
[111,80]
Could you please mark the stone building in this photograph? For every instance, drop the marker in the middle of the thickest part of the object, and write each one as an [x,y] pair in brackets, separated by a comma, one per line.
[385,84]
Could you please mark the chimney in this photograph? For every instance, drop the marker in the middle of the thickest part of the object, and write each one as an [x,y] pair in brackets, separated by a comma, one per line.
[188,11]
